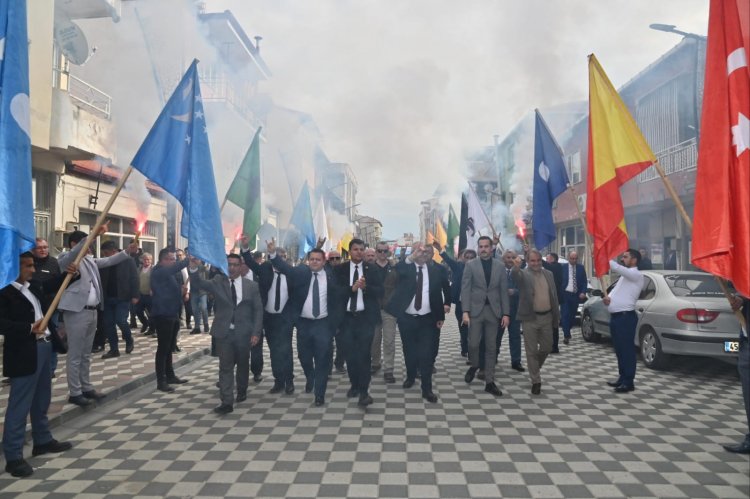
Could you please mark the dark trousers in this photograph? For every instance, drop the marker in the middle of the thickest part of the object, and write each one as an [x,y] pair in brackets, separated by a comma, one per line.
[29,395]
[622,328]
[278,330]
[514,341]
[100,336]
[234,351]
[743,366]
[188,312]
[463,329]
[256,357]
[116,315]
[418,339]
[568,309]
[314,351]
[339,348]
[143,310]
[166,336]
[355,335]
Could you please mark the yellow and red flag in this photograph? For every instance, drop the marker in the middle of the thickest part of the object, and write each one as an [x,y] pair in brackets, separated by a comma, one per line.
[441,236]
[721,227]
[617,152]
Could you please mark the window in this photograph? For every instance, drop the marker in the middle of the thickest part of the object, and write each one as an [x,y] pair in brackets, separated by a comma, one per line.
[574,167]
[649,289]
[122,231]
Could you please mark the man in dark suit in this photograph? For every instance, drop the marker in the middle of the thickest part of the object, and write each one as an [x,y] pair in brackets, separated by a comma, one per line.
[27,352]
[120,287]
[553,265]
[457,272]
[278,318]
[362,288]
[236,327]
[318,311]
[574,285]
[742,304]
[419,303]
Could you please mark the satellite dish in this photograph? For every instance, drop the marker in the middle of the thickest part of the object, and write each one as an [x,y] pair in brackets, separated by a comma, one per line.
[71,40]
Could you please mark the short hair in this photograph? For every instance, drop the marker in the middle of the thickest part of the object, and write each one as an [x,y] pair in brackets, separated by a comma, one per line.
[355,241]
[27,254]
[257,254]
[468,250]
[39,239]
[555,257]
[108,245]
[146,254]
[486,238]
[535,252]
[76,236]
[317,250]
[634,253]
[382,243]
[509,252]
[235,256]
[164,252]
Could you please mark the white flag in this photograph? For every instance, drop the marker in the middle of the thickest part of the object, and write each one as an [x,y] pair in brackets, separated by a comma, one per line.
[477,224]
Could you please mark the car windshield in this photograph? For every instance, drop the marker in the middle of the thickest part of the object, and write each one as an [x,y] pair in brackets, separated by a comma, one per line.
[693,285]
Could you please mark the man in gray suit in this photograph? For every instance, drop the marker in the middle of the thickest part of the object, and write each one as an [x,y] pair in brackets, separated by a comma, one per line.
[237,326]
[539,310]
[484,300]
[80,303]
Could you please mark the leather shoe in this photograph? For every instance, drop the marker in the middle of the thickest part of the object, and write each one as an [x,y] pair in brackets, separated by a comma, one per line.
[79,400]
[614,384]
[51,447]
[195,331]
[19,468]
[276,388]
[257,378]
[176,349]
[566,340]
[555,350]
[364,400]
[470,374]
[241,397]
[111,354]
[389,378]
[743,448]
[309,385]
[536,388]
[176,381]
[430,397]
[289,389]
[223,409]
[353,392]
[624,389]
[164,387]
[493,389]
[93,395]
[129,348]
[319,401]
[518,367]
[408,383]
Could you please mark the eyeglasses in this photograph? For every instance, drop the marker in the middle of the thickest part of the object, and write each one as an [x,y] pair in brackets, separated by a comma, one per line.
[382,251]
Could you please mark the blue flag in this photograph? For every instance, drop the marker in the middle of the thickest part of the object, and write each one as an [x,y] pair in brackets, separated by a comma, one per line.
[175,155]
[302,219]
[17,232]
[550,180]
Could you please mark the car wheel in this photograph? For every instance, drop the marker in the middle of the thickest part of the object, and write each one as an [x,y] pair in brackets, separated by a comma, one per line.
[651,352]
[587,329]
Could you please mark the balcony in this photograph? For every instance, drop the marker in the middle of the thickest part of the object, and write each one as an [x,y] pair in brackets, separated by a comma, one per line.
[83,94]
[678,158]
[90,9]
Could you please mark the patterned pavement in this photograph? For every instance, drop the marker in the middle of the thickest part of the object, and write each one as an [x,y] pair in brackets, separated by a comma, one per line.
[577,439]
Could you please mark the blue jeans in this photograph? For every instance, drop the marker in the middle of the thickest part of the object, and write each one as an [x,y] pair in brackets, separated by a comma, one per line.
[622,327]
[29,394]
[568,309]
[117,314]
[199,304]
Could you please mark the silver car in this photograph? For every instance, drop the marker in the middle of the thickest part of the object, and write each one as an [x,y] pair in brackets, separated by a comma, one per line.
[679,313]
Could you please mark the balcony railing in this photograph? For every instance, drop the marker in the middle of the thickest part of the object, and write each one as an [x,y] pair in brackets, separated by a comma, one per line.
[680,157]
[83,94]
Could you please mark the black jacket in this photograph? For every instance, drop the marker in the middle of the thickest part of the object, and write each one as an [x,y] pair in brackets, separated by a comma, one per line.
[370,295]
[406,289]
[126,277]
[264,273]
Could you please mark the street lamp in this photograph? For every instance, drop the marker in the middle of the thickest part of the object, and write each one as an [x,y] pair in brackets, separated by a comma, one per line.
[671,28]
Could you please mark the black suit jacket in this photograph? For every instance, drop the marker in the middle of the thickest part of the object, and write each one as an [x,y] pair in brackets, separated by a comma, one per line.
[370,295]
[557,273]
[16,318]
[406,289]
[264,273]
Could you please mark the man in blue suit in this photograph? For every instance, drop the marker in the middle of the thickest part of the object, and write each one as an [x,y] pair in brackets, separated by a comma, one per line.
[574,284]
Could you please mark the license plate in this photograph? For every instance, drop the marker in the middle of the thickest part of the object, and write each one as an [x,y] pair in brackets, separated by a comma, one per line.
[732,346]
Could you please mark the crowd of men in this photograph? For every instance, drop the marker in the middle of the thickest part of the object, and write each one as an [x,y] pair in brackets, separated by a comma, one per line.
[346,313]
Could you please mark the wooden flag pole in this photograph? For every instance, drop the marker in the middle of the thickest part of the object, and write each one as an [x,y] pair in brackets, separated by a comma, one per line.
[589,244]
[84,250]
[681,208]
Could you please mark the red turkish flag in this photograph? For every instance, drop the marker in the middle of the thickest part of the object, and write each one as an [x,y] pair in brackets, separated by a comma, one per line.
[721,227]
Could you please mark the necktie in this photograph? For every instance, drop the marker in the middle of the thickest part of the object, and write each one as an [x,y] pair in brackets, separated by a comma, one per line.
[573,276]
[353,299]
[420,283]
[277,298]
[234,298]
[316,296]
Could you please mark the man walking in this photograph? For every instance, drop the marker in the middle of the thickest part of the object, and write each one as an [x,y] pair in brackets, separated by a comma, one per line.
[385,331]
[237,326]
[622,317]
[539,310]
[121,288]
[514,326]
[553,265]
[457,272]
[574,284]
[485,304]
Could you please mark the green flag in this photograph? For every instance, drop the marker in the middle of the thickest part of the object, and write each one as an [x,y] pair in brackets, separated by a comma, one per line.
[453,231]
[245,189]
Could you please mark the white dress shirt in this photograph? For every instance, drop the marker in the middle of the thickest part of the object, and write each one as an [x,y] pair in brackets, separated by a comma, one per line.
[307,308]
[24,289]
[425,293]
[280,280]
[627,290]
[237,287]
[571,278]
[360,297]
[94,294]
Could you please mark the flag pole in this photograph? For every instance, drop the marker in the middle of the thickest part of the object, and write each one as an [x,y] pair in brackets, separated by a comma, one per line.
[489,220]
[84,250]
[686,218]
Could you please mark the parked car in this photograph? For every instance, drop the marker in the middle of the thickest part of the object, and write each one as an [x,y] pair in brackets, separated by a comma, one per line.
[679,313]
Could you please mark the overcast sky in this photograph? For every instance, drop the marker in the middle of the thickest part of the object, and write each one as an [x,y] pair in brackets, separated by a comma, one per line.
[401,89]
